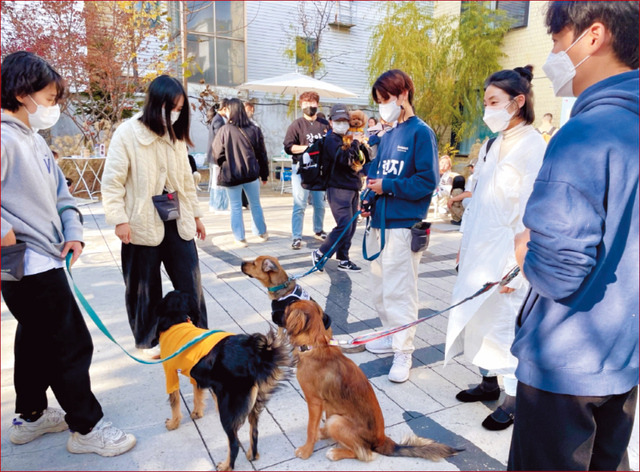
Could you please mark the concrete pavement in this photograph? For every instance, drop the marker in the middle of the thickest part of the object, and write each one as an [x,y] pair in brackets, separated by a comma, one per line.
[133,395]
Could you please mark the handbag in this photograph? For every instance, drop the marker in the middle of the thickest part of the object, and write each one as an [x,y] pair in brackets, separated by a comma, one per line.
[13,262]
[167,205]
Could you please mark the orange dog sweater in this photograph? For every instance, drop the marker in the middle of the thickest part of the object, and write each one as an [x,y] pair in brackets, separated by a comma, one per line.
[173,339]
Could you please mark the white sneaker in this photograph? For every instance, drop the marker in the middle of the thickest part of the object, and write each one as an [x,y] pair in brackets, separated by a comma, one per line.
[51,421]
[152,352]
[401,367]
[264,237]
[380,346]
[104,439]
[240,243]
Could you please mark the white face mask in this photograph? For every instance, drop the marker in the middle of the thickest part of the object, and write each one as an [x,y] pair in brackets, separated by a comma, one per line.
[497,119]
[340,127]
[561,71]
[174,116]
[390,112]
[44,117]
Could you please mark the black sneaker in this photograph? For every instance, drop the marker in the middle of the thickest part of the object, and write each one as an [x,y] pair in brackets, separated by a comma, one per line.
[296,244]
[321,236]
[315,258]
[348,265]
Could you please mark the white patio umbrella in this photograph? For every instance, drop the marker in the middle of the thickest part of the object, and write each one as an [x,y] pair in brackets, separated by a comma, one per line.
[294,84]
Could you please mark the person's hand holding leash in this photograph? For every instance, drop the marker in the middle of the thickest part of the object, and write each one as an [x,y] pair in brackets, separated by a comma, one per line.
[375,185]
[73,246]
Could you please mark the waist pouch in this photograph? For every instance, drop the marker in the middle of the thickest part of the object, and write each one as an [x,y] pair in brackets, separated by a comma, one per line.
[167,205]
[13,262]
[420,236]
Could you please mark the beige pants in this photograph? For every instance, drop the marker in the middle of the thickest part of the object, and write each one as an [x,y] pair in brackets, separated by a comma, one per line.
[395,284]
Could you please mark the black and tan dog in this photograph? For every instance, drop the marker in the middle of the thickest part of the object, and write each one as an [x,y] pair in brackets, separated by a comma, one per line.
[335,385]
[241,371]
[282,290]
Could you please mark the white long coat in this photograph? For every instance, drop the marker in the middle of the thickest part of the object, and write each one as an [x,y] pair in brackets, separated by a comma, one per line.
[484,328]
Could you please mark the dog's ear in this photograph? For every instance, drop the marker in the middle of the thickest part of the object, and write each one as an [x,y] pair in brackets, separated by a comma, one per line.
[269,266]
[295,320]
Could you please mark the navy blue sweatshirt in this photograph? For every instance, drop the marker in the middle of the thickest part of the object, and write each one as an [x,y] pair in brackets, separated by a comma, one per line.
[577,333]
[407,161]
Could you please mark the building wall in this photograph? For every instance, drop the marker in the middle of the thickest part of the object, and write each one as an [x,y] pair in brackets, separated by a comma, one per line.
[522,46]
[532,45]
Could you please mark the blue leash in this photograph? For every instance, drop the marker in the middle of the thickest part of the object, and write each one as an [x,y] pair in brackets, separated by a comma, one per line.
[383,228]
[96,319]
[321,262]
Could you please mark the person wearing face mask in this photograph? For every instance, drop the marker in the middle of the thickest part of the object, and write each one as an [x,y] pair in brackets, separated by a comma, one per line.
[218,198]
[577,331]
[148,157]
[342,189]
[53,347]
[403,177]
[300,135]
[483,328]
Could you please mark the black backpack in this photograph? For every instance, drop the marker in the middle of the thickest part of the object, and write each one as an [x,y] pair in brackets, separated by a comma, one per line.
[314,169]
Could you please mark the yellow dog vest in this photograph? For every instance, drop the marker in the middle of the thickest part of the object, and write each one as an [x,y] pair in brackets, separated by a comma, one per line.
[173,339]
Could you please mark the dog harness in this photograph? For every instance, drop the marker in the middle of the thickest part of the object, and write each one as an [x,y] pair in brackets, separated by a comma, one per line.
[175,337]
[280,305]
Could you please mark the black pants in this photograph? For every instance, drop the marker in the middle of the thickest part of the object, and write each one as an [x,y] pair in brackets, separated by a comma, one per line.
[565,432]
[53,348]
[343,204]
[143,280]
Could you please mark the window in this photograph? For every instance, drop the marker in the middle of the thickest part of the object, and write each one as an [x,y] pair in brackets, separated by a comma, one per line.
[517,11]
[343,14]
[215,41]
[304,48]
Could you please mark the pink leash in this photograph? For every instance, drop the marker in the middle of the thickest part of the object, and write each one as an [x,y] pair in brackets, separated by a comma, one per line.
[365,338]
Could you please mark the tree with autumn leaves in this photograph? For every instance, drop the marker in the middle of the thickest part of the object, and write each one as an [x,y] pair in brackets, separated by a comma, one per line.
[107,53]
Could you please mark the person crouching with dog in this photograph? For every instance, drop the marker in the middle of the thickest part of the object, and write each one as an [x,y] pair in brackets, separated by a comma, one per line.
[343,188]
[403,177]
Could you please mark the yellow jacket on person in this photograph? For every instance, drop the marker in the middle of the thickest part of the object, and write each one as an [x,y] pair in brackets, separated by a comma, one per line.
[139,165]
[173,339]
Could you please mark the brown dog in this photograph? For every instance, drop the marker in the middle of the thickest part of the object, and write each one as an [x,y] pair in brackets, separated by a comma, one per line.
[334,384]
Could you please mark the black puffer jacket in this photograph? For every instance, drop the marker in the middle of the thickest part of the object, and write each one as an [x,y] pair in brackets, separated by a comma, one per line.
[241,155]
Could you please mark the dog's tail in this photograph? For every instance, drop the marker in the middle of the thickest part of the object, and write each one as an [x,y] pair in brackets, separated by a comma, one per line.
[415,446]
[272,363]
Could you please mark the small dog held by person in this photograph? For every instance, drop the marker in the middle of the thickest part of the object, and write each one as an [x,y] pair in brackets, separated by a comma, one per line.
[241,370]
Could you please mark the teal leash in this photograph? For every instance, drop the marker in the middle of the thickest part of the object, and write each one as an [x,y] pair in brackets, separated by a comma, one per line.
[383,228]
[96,319]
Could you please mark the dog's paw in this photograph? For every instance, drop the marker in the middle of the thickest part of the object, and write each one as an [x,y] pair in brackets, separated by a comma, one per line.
[304,452]
[251,457]
[224,465]
[172,423]
[196,414]
[333,454]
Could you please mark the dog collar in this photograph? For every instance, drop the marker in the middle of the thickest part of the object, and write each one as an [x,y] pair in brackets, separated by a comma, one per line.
[281,286]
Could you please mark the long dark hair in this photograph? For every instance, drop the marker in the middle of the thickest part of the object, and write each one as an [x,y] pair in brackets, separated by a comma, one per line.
[237,114]
[163,94]
[516,82]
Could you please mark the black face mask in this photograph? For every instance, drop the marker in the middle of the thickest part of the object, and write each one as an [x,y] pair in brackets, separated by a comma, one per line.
[310,111]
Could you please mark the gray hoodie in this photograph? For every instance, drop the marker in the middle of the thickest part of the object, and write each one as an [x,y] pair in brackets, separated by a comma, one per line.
[35,201]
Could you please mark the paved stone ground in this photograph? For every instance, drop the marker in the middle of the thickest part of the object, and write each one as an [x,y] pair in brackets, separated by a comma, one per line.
[133,396]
